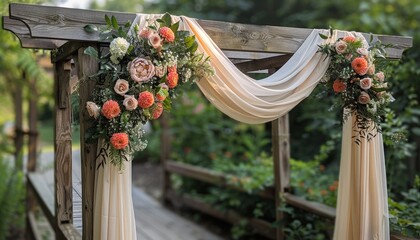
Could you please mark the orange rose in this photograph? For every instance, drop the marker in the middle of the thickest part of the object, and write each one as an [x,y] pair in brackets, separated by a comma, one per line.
[157,112]
[146,99]
[360,65]
[167,34]
[119,140]
[111,109]
[172,79]
[349,39]
[339,86]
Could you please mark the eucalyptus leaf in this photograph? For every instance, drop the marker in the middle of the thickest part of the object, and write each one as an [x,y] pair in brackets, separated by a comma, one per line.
[91,52]
[90,28]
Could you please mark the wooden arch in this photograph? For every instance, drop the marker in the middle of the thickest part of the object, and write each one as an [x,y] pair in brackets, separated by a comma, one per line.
[250,47]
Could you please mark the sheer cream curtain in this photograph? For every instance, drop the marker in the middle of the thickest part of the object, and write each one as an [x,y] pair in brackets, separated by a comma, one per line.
[362,202]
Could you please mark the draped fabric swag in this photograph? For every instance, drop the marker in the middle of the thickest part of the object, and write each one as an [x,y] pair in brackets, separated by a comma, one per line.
[362,210]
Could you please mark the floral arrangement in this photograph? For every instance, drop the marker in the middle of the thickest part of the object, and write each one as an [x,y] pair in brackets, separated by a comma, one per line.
[355,75]
[137,80]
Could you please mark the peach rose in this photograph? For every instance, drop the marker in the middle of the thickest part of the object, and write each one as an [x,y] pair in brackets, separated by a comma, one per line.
[121,87]
[380,76]
[340,47]
[365,83]
[130,102]
[141,70]
[155,41]
[362,51]
[364,98]
[92,109]
[145,33]
[371,69]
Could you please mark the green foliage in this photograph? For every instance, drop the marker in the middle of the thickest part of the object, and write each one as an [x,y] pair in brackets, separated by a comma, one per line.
[405,215]
[12,195]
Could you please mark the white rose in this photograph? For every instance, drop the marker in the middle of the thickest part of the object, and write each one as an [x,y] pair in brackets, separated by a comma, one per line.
[93,109]
[121,87]
[130,102]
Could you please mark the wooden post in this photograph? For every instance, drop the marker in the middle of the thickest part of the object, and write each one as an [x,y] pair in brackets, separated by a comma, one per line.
[62,145]
[19,133]
[164,157]
[86,66]
[281,156]
[32,153]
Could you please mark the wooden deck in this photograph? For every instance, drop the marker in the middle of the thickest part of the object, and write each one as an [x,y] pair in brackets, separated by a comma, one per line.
[153,221]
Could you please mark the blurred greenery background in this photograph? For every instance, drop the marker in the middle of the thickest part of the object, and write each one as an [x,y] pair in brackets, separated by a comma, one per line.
[207,138]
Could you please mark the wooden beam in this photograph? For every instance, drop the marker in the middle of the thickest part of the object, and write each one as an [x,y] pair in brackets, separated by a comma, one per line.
[86,66]
[262,64]
[62,145]
[21,30]
[43,194]
[67,50]
[67,24]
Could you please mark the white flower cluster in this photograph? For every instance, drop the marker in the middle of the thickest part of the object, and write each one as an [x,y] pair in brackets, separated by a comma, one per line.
[118,48]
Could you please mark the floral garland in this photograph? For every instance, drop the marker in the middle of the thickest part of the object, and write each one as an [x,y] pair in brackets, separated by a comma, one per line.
[137,80]
[355,75]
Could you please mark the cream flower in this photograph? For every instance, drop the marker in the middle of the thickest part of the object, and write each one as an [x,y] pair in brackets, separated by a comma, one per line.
[130,102]
[141,70]
[92,109]
[160,70]
[121,87]
[119,47]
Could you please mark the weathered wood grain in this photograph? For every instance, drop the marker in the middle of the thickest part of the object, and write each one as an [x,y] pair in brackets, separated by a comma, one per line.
[281,155]
[264,63]
[20,29]
[86,66]
[62,145]
[67,24]
[43,194]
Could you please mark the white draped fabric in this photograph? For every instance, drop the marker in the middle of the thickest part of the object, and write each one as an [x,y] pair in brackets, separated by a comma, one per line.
[362,211]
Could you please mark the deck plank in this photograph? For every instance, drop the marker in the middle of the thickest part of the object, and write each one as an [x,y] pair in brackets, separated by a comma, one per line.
[153,221]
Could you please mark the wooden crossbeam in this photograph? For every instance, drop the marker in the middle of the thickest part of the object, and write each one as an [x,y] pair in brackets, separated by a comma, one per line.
[48,22]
